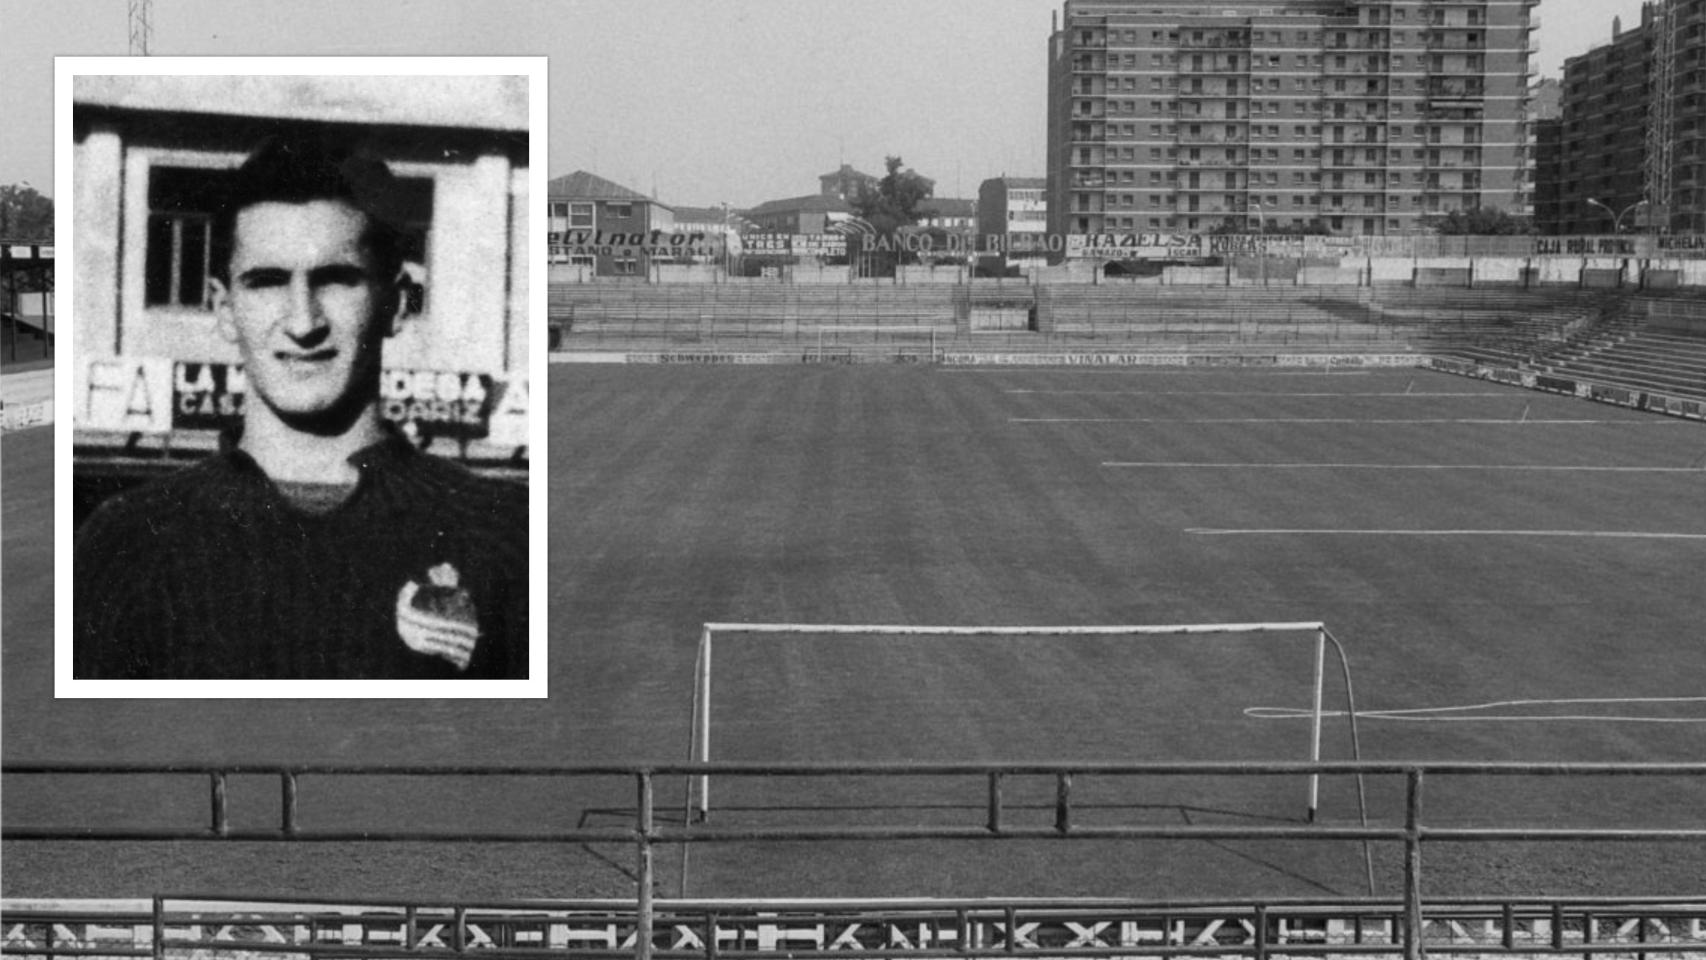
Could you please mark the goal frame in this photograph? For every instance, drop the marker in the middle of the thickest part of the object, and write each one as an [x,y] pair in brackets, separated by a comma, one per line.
[699,747]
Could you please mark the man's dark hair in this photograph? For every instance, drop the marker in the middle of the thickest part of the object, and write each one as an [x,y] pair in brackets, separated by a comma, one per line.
[301,170]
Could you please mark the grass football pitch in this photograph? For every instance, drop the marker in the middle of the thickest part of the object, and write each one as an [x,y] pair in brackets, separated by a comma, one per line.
[1524,567]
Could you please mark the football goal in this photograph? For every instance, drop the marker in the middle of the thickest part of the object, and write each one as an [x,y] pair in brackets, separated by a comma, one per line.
[1269,641]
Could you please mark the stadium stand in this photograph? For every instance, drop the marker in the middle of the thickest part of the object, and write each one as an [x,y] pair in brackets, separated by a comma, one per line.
[1630,355]
[650,315]
[1645,342]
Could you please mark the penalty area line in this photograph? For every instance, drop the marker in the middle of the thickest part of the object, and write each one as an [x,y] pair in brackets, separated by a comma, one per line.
[1518,467]
[1331,532]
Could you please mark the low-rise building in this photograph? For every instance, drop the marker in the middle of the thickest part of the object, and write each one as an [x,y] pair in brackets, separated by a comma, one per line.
[604,229]
[1012,221]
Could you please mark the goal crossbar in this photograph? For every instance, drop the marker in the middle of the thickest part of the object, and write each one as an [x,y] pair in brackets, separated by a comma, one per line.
[699,749]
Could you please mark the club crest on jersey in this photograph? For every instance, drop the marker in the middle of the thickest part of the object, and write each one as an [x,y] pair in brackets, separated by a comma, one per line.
[438,618]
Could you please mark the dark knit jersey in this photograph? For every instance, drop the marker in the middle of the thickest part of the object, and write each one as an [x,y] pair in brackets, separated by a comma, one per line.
[212,573]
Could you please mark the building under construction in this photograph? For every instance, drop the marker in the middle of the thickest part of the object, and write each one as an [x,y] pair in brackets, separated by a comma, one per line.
[1632,149]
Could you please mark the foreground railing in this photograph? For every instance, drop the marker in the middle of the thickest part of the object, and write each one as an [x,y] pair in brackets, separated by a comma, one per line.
[649,831]
[228,927]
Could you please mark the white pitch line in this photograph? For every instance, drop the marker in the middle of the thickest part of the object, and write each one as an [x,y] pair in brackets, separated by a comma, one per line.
[1477,712]
[1320,531]
[1135,371]
[1537,468]
[1257,393]
[1433,420]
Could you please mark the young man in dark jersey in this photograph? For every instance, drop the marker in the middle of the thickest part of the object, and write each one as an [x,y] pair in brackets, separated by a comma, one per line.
[323,545]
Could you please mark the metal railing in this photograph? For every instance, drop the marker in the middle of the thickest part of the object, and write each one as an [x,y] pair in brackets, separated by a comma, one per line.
[648,832]
[892,929]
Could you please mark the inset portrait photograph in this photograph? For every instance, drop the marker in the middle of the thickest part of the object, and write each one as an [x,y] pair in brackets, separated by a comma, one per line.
[300,445]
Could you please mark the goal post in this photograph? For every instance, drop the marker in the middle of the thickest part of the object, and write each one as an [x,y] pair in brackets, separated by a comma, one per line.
[869,334]
[699,788]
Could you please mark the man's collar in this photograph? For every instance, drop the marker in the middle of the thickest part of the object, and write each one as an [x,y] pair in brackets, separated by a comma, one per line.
[390,449]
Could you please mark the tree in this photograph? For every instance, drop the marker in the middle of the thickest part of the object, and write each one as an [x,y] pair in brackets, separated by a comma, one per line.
[25,215]
[1481,221]
[892,204]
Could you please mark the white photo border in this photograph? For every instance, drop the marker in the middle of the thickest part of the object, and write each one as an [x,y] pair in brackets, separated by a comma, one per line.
[535,70]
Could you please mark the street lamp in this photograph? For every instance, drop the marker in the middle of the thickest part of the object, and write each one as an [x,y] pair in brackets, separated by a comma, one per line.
[1261,242]
[1616,217]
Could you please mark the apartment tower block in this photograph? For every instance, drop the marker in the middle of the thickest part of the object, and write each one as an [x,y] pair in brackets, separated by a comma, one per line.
[1363,116]
[1632,146]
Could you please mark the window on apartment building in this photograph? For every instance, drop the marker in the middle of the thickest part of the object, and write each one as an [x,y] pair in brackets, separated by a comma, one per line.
[620,211]
[580,215]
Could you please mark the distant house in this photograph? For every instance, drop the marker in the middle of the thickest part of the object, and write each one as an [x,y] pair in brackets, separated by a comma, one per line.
[612,231]
[808,214]
[845,183]
[947,213]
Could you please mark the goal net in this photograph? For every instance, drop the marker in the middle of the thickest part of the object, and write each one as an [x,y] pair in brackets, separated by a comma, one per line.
[765,692]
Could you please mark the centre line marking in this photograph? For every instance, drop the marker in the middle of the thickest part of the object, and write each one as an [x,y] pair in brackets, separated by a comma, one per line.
[1413,420]
[1305,531]
[1176,465]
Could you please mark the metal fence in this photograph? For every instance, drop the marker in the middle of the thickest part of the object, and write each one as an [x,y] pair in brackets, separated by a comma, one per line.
[202,926]
[650,830]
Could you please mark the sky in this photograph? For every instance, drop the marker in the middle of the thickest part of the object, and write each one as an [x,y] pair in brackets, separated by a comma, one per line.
[697,102]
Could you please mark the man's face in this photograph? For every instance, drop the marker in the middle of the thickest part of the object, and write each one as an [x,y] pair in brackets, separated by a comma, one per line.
[304,305]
